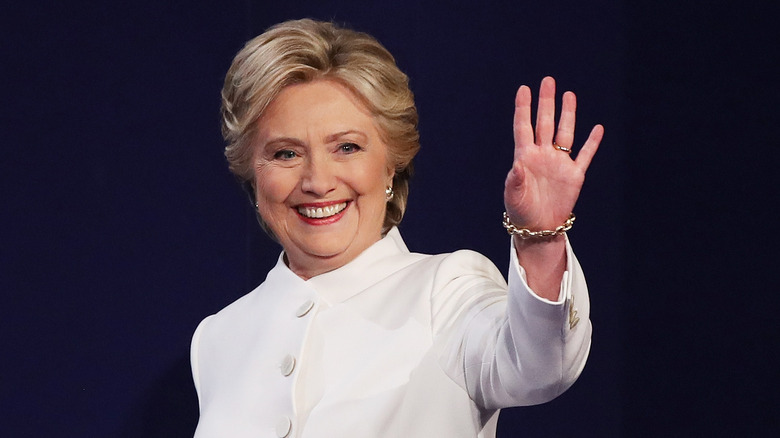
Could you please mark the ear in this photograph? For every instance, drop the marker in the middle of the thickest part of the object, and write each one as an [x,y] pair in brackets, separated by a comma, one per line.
[390,175]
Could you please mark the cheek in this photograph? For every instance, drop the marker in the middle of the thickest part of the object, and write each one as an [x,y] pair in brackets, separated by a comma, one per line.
[368,181]
[271,195]
[273,186]
[374,175]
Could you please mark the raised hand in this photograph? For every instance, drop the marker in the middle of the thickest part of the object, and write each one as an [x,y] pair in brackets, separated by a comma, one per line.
[544,182]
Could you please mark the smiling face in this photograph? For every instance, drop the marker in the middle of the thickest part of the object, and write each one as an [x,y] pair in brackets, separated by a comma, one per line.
[321,170]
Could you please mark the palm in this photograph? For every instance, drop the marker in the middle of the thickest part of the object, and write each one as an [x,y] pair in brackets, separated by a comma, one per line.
[544,182]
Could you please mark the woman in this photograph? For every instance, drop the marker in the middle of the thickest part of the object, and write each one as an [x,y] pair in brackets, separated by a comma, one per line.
[351,334]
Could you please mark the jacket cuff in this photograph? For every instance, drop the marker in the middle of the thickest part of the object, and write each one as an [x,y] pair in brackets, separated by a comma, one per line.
[516,270]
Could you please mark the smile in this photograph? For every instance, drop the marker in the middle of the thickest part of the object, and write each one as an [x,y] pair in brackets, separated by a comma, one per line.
[322,212]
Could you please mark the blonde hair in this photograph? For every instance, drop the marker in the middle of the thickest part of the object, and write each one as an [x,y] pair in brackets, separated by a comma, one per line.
[305,50]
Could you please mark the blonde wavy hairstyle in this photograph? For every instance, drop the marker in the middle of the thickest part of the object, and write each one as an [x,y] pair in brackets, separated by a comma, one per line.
[300,51]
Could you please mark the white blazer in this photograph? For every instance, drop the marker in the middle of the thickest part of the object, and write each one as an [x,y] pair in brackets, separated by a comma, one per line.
[394,344]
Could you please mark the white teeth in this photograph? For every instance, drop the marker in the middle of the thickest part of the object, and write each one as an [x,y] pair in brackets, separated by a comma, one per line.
[322,212]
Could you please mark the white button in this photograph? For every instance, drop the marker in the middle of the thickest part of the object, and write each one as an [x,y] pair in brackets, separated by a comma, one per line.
[304,309]
[288,365]
[283,427]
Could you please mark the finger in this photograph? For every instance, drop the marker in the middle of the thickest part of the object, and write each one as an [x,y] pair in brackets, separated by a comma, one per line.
[523,130]
[545,114]
[585,155]
[565,134]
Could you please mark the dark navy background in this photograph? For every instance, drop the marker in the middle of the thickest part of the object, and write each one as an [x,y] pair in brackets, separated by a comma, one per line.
[122,227]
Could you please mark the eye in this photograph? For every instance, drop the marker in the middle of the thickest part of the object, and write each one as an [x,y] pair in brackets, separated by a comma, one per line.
[349,148]
[284,154]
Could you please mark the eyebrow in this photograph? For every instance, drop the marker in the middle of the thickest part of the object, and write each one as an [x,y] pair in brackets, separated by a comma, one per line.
[337,135]
[282,140]
[330,138]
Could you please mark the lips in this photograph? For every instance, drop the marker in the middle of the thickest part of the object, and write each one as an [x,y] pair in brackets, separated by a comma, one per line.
[321,212]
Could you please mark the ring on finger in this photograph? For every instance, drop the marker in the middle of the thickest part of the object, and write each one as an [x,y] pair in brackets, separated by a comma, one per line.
[561,148]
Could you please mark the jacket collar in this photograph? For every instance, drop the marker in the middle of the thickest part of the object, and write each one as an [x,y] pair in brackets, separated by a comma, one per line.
[380,260]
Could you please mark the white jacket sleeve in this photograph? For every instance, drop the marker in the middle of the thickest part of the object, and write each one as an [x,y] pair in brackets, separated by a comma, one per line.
[515,348]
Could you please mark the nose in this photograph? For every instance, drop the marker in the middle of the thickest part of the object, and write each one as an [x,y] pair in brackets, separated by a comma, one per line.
[318,178]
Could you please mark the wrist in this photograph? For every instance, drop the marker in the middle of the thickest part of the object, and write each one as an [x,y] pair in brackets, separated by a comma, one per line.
[539,244]
[525,233]
[544,262]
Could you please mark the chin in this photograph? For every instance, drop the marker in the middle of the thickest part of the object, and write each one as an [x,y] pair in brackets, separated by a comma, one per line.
[324,244]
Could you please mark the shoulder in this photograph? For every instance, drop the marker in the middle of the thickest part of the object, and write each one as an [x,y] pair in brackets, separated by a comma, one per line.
[234,312]
[463,261]
[460,283]
[462,275]
[462,264]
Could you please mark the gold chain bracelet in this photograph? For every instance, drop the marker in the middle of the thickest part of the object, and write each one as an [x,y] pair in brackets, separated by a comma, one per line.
[525,233]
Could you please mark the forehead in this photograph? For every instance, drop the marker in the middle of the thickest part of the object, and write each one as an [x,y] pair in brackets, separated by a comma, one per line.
[310,107]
